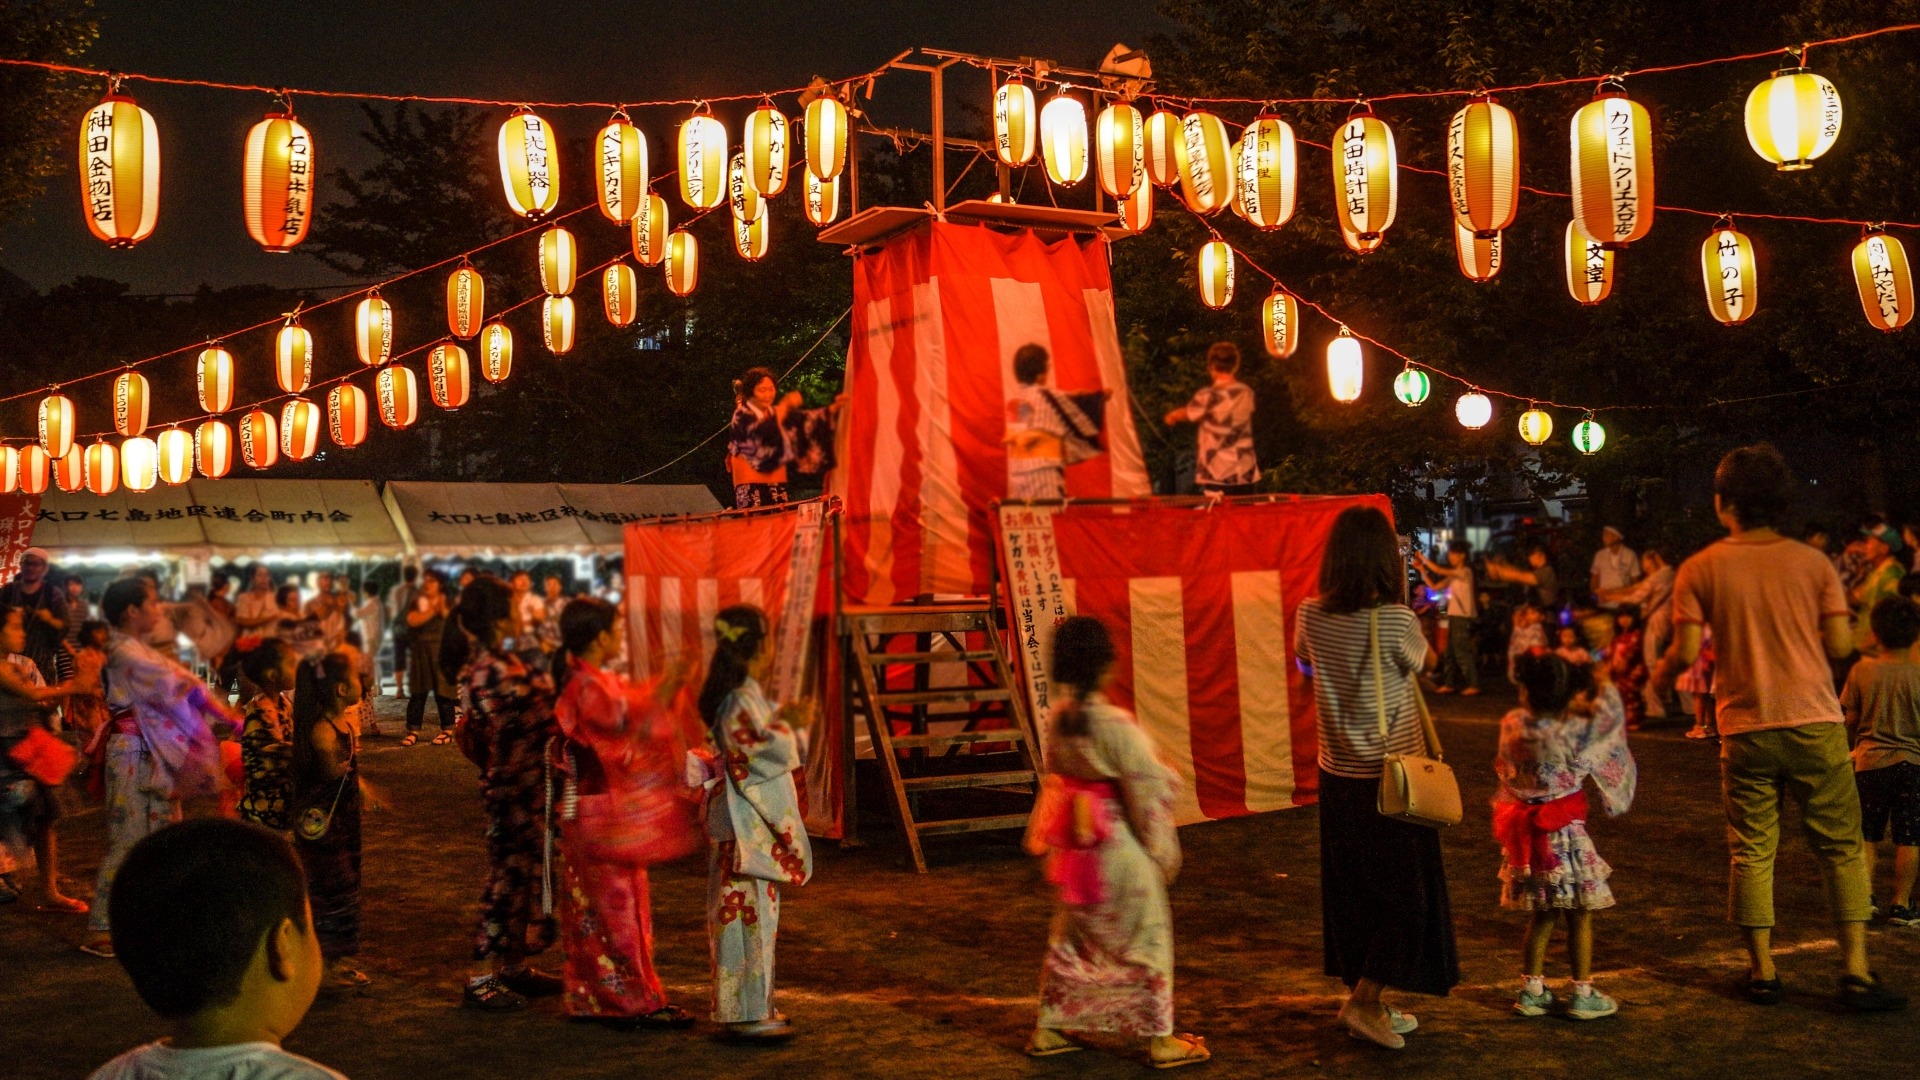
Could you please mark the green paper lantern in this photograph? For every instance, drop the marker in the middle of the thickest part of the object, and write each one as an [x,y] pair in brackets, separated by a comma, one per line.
[1411,387]
[1589,436]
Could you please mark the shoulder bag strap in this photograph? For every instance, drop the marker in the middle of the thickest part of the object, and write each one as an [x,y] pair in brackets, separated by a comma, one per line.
[1379,674]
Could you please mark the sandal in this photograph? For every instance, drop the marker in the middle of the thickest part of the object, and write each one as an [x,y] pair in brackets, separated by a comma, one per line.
[100,947]
[775,1028]
[411,738]
[347,978]
[66,904]
[1196,1053]
[667,1017]
[443,738]
[1065,1046]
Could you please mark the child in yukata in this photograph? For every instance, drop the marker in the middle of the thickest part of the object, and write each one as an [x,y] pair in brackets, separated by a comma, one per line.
[1047,430]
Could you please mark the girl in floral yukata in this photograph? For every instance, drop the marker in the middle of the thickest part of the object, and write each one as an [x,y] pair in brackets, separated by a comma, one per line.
[266,740]
[754,821]
[1565,732]
[1627,664]
[1105,825]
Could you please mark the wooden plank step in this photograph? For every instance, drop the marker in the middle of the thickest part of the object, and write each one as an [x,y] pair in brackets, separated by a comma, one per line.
[967,780]
[967,825]
[953,696]
[931,622]
[958,737]
[951,656]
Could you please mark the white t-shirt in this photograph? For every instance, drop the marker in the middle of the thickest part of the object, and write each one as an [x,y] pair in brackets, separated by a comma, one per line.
[1616,568]
[241,1061]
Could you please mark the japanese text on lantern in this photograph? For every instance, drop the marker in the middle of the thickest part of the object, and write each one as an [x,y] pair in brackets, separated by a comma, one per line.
[1353,154]
[1620,155]
[100,162]
[299,182]
[1731,292]
[1194,134]
[1886,290]
[1596,264]
[538,177]
[1457,157]
[611,147]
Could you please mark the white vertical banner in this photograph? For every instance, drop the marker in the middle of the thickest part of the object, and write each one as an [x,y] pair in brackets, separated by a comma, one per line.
[796,615]
[1038,594]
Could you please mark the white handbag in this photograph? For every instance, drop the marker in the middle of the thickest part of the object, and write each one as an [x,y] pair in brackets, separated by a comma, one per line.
[1421,790]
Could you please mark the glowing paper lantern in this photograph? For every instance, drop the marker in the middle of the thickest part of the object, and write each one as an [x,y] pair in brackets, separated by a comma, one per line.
[1136,210]
[70,470]
[213,377]
[213,449]
[173,453]
[1884,280]
[1411,387]
[396,391]
[1483,168]
[1215,265]
[449,376]
[9,470]
[300,423]
[750,237]
[623,169]
[556,324]
[1366,181]
[1589,267]
[703,162]
[1165,135]
[1239,202]
[1063,139]
[529,165]
[130,403]
[259,439]
[742,200]
[102,464]
[1589,436]
[1269,171]
[496,352]
[119,171]
[1121,135]
[466,302]
[1793,118]
[347,415]
[373,331]
[559,261]
[650,231]
[765,146]
[1280,319]
[619,294]
[1612,140]
[683,262]
[1536,426]
[1478,256]
[1206,165]
[1013,123]
[1360,245]
[293,357]
[1473,410]
[1346,367]
[826,137]
[1726,268]
[279,183]
[35,469]
[822,199]
[56,424]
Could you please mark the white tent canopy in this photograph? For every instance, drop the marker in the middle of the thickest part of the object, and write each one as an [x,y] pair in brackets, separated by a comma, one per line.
[445,520]
[223,518]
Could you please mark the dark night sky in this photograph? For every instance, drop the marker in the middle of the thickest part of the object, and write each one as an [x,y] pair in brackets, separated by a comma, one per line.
[485,48]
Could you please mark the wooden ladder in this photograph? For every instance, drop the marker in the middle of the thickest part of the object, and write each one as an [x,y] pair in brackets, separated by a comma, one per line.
[949,624]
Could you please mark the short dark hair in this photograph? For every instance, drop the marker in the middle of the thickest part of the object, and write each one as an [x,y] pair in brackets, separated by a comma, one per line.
[192,903]
[1896,622]
[1461,546]
[1223,356]
[1549,681]
[1755,485]
[123,596]
[408,573]
[750,380]
[1082,651]
[1361,565]
[1910,586]
[266,656]
[1030,363]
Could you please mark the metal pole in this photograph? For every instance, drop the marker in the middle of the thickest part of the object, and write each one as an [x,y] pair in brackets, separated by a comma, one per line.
[939,138]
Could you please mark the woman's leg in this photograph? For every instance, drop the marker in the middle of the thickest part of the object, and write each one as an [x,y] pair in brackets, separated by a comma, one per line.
[417,707]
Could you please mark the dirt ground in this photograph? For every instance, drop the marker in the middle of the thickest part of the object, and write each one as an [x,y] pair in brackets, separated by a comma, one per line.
[892,974]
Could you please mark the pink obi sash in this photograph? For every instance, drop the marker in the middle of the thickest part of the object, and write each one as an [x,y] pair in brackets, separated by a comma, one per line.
[1523,828]
[1073,820]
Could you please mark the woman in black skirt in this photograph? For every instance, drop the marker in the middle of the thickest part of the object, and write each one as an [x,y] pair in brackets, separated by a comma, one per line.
[1383,890]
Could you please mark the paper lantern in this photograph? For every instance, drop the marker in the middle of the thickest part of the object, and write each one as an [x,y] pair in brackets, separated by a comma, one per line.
[1793,118]
[1121,135]
[449,376]
[1346,367]
[70,470]
[347,415]
[1239,202]
[1411,387]
[623,169]
[559,261]
[1063,139]
[742,199]
[119,171]
[619,295]
[1280,319]
[293,357]
[1366,180]
[466,302]
[259,439]
[1536,426]
[765,145]
[56,424]
[826,137]
[1589,267]
[1726,268]
[9,470]
[682,262]
[173,456]
[822,199]
[1612,141]
[101,463]
[556,324]
[396,392]
[1269,171]
[213,378]
[1473,409]
[1206,166]
[373,330]
[300,423]
[1136,210]
[35,469]
[1478,256]
[750,237]
[650,231]
[1589,436]
[1013,123]
[1483,168]
[1883,279]
[279,183]
[1165,136]
[213,449]
[496,352]
[529,165]
[703,162]
[1215,265]
[130,403]
[1360,245]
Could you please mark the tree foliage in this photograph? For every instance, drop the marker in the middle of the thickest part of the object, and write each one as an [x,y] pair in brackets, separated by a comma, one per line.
[37,108]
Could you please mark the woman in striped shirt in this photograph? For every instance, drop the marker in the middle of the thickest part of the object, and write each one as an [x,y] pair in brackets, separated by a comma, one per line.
[1383,891]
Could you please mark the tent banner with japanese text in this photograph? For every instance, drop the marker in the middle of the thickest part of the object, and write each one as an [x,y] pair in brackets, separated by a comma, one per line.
[1200,601]
[18,512]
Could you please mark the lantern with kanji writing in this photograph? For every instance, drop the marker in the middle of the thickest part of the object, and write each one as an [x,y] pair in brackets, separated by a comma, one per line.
[1121,136]
[139,463]
[623,169]
[1589,267]
[1536,425]
[35,468]
[1234,158]
[1483,168]
[373,330]
[1726,268]
[279,182]
[1269,170]
[556,324]
[396,393]
[103,468]
[1793,118]
[703,161]
[56,424]
[1411,387]
[1366,181]
[1346,367]
[1204,154]
[1360,245]
[650,231]
[119,171]
[1280,321]
[213,378]
[765,145]
[750,237]
[1063,139]
[1589,436]
[496,352]
[826,137]
[742,199]
[1164,136]
[347,415]
[529,165]
[1215,266]
[1478,256]
[1883,279]
[1013,123]
[9,470]
[1612,142]
[466,301]
[449,376]
[213,449]
[559,261]
[293,356]
[1473,409]
[1136,210]
[259,439]
[619,295]
[683,262]
[821,199]
[173,451]
[130,403]
[300,423]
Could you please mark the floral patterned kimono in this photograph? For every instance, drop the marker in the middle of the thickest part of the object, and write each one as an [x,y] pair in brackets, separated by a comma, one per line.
[510,708]
[759,842]
[1109,963]
[266,759]
[1540,814]
[1627,665]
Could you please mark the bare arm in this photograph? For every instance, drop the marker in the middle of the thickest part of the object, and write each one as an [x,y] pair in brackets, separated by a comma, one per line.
[1837,630]
[326,743]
